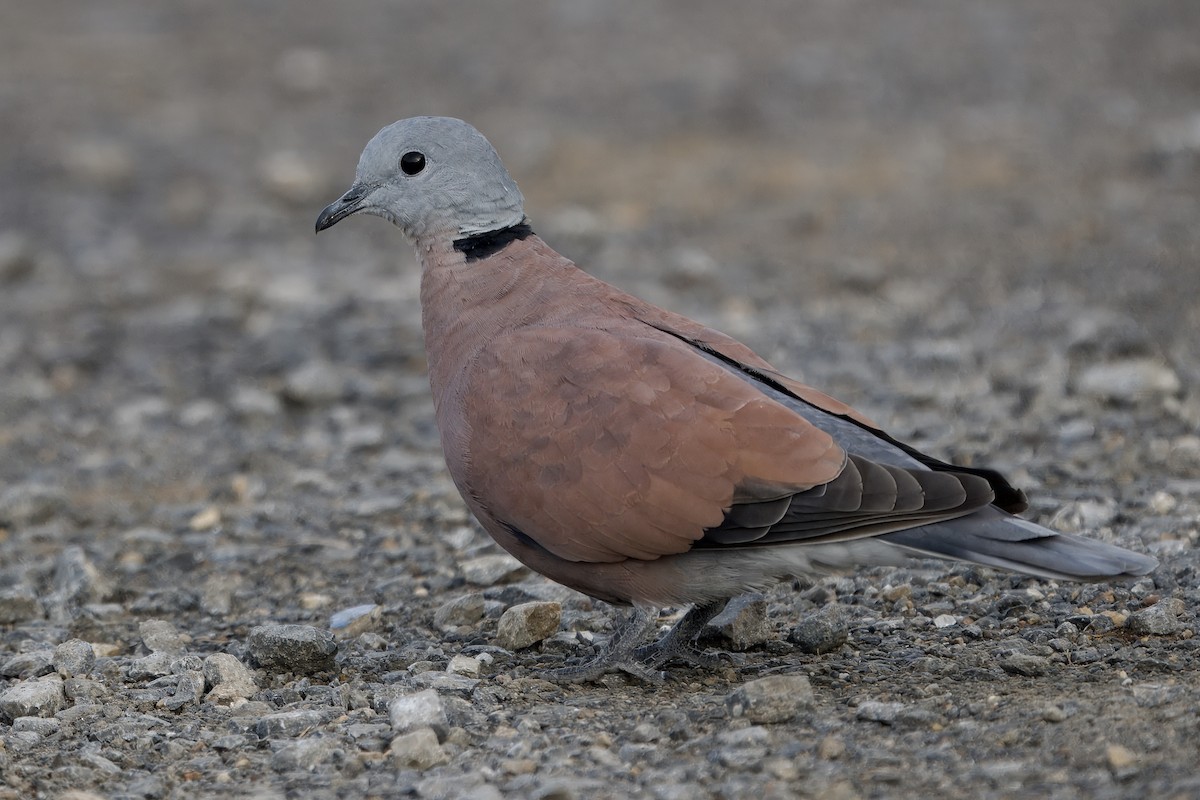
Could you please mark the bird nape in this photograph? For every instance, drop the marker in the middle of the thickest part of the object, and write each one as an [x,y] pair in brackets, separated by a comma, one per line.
[640,457]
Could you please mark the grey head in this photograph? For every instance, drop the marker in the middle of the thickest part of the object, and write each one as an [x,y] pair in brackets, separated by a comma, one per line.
[431,176]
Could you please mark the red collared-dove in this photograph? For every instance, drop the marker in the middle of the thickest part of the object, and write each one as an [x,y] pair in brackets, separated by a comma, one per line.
[643,458]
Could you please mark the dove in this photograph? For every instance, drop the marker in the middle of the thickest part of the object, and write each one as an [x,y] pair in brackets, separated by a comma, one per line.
[645,459]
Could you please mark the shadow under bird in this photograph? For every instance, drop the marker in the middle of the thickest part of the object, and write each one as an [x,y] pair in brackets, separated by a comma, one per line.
[640,457]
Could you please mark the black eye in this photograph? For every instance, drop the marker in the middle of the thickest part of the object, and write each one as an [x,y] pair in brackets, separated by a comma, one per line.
[412,162]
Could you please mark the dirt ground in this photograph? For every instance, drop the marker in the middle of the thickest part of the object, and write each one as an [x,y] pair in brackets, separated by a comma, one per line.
[977,222]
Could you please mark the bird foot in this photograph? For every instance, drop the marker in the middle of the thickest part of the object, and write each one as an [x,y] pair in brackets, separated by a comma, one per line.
[619,655]
[658,654]
[625,653]
[600,666]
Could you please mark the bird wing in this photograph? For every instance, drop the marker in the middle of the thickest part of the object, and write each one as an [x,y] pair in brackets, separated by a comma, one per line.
[853,430]
[628,442]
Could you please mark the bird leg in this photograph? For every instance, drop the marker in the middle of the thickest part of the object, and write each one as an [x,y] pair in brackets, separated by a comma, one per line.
[620,654]
[679,643]
[626,653]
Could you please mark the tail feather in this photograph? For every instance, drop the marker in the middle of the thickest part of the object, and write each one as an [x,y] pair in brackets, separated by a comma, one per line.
[996,539]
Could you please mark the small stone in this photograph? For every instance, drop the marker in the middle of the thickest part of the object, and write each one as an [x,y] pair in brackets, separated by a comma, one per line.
[206,519]
[1128,380]
[18,259]
[645,732]
[352,622]
[1054,714]
[230,679]
[104,162]
[24,504]
[19,604]
[74,657]
[1024,664]
[1162,503]
[290,177]
[743,623]
[316,383]
[1160,619]
[155,665]
[465,665]
[301,649]
[37,698]
[463,611]
[822,632]
[1082,516]
[527,624]
[883,713]
[419,710]
[1122,761]
[417,750]
[944,621]
[250,401]
[32,664]
[831,748]
[311,601]
[42,726]
[81,691]
[492,569]
[288,724]
[777,698]
[160,636]
[189,689]
[306,755]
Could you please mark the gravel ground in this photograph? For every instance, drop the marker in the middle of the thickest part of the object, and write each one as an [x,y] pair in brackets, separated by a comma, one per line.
[231,563]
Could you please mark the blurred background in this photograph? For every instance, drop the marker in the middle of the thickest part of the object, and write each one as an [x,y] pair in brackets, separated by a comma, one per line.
[977,221]
[883,196]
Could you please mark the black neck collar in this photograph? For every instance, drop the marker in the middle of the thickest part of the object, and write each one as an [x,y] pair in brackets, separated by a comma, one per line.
[481,245]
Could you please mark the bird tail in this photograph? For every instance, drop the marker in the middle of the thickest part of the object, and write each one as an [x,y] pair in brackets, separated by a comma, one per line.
[996,539]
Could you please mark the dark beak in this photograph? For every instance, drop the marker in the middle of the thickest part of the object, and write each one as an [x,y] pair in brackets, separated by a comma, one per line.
[344,206]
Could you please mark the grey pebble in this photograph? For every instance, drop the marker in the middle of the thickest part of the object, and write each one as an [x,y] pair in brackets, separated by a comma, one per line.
[31,664]
[777,698]
[301,649]
[1128,380]
[74,657]
[877,711]
[160,636]
[1160,619]
[36,698]
[155,665]
[316,383]
[82,690]
[25,504]
[229,678]
[42,726]
[466,610]
[821,632]
[189,689]
[251,401]
[418,749]
[743,623]
[19,604]
[1024,664]
[351,622]
[18,257]
[492,569]
[289,723]
[306,755]
[422,709]
[526,624]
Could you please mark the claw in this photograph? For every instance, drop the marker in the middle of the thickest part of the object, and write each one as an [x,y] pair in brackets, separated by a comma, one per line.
[625,653]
